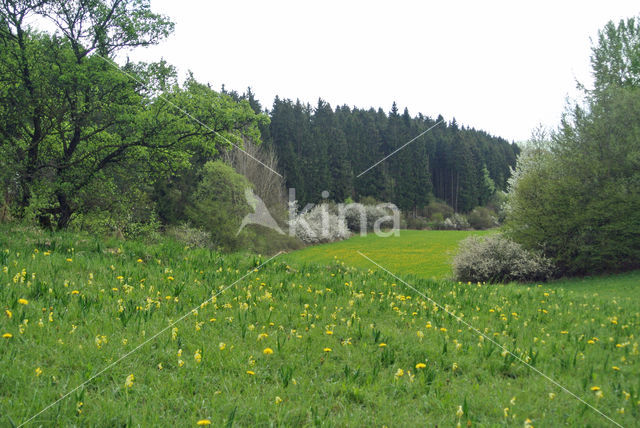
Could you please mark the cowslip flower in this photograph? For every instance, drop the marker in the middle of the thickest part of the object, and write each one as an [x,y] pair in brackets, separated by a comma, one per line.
[128,383]
[197,356]
[222,346]
[278,400]
[38,371]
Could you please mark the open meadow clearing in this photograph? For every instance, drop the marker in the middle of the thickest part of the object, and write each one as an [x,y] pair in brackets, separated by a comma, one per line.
[295,345]
[425,254]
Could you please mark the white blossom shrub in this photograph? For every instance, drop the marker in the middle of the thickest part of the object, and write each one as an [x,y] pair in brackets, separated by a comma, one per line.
[497,259]
[362,218]
[317,225]
[455,222]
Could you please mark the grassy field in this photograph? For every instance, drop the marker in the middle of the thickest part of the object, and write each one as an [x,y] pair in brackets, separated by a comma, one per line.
[425,254]
[296,344]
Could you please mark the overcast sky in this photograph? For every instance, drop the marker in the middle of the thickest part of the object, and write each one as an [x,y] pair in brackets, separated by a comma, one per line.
[503,67]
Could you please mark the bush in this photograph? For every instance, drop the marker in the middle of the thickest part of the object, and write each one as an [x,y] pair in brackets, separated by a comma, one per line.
[355,213]
[219,204]
[438,211]
[482,218]
[191,236]
[456,222]
[317,225]
[495,259]
[417,223]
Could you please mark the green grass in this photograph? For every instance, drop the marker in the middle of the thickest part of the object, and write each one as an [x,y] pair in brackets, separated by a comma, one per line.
[325,324]
[425,254]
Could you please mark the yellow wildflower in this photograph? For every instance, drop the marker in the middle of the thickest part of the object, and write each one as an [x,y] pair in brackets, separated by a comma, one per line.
[327,349]
[23,301]
[267,351]
[129,382]
[421,365]
[203,422]
[251,372]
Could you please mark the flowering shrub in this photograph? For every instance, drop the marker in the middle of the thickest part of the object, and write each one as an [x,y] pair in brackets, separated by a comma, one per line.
[495,258]
[456,222]
[316,225]
[359,217]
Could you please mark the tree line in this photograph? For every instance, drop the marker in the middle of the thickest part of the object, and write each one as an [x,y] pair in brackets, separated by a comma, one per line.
[320,149]
[86,141]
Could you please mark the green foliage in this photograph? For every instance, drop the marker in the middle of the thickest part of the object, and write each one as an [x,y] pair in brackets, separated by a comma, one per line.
[482,218]
[218,204]
[577,196]
[323,149]
[73,122]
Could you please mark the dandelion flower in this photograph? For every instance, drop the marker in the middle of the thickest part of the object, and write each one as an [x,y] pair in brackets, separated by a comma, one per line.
[616,368]
[595,388]
[129,382]
[251,373]
[69,260]
[421,365]
[75,292]
[328,332]
[7,336]
[382,345]
[203,422]
[23,301]
[9,314]
[327,349]
[267,351]
[139,260]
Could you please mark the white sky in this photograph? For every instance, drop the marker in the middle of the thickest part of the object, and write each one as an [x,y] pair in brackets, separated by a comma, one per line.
[500,66]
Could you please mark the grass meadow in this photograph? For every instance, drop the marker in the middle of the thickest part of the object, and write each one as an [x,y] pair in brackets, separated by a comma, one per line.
[298,343]
[425,254]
